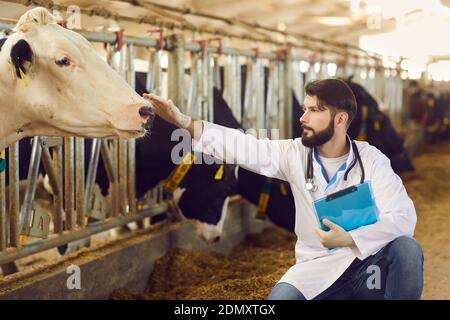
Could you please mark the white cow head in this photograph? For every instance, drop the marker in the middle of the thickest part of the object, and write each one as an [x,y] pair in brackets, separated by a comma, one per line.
[212,233]
[209,233]
[52,82]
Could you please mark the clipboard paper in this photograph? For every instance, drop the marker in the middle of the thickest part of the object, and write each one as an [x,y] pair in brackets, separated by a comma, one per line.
[349,208]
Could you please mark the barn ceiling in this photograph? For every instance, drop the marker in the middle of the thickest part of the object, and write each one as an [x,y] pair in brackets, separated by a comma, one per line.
[324,19]
[355,23]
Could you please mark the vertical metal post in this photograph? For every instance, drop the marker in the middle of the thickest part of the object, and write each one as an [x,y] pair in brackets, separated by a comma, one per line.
[114,149]
[271,110]
[14,202]
[3,217]
[297,80]
[248,96]
[79,169]
[379,78]
[227,82]
[176,72]
[217,81]
[114,158]
[323,70]
[123,176]
[91,174]
[123,62]
[33,171]
[237,88]
[130,66]
[150,80]
[204,87]
[158,83]
[53,179]
[259,115]
[311,73]
[131,176]
[58,197]
[198,104]
[53,170]
[209,87]
[69,183]
[288,95]
[154,73]
[280,95]
[192,94]
[109,166]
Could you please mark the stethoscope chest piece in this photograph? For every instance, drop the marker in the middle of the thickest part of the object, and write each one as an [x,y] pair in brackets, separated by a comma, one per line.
[310,186]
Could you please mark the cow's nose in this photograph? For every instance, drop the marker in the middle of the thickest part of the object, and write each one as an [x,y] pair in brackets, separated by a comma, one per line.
[148,115]
[216,239]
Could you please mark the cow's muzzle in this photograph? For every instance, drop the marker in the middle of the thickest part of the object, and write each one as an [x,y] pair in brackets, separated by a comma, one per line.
[148,115]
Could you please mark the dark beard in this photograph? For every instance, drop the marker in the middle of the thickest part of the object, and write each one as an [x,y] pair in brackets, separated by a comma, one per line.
[318,138]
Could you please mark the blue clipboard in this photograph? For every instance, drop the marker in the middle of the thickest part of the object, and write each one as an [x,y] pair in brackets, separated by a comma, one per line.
[349,208]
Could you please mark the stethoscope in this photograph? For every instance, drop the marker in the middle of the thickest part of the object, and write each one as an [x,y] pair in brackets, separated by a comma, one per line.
[311,186]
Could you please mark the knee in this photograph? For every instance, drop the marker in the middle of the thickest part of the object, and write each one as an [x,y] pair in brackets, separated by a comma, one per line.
[285,291]
[407,250]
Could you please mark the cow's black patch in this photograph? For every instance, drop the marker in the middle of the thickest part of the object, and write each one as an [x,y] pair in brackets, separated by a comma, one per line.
[20,53]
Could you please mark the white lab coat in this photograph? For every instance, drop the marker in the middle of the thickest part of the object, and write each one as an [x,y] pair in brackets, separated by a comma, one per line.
[317,268]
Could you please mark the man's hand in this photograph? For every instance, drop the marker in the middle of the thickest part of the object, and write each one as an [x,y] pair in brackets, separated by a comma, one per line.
[336,237]
[168,111]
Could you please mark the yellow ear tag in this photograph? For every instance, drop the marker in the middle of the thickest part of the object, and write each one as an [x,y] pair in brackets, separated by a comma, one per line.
[22,239]
[283,190]
[219,173]
[24,78]
[377,126]
[362,136]
[2,161]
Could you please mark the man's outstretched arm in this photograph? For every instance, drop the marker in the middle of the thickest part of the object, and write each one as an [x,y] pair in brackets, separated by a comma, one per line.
[263,156]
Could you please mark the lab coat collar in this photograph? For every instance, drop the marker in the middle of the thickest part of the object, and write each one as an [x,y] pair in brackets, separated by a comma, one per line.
[323,177]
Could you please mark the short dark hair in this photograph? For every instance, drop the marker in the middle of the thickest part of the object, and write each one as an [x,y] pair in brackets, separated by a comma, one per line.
[334,94]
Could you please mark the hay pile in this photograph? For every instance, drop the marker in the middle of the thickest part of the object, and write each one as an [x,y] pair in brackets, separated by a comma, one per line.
[249,272]
[254,267]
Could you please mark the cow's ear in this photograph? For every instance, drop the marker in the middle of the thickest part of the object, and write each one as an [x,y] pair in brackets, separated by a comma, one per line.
[20,53]
[38,15]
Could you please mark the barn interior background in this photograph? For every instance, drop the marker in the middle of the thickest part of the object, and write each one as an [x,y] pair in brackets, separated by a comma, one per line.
[257,56]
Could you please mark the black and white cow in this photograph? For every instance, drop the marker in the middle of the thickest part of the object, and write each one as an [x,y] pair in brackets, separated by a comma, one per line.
[374,126]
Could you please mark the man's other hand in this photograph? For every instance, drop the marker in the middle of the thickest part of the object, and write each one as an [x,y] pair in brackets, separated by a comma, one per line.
[335,237]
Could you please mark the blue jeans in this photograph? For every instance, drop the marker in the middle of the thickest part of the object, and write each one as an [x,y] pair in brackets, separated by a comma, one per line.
[400,265]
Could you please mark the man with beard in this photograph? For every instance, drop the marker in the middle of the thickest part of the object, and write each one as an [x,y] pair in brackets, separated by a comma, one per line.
[380,260]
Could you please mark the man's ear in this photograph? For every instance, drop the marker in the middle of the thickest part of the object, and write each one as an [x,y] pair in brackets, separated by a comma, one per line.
[342,118]
[20,53]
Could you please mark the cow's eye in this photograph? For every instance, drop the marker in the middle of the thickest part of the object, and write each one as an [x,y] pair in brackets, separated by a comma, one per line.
[63,62]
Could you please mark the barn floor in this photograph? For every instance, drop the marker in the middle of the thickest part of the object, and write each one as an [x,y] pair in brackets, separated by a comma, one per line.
[253,268]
